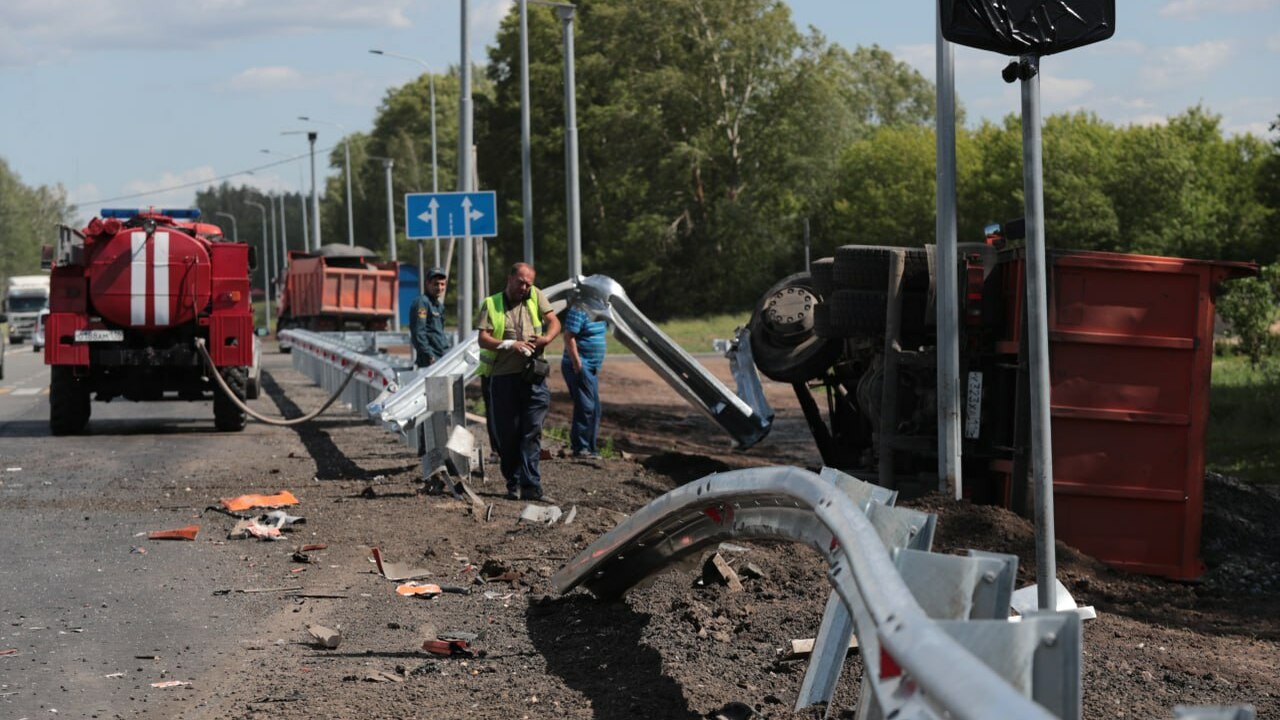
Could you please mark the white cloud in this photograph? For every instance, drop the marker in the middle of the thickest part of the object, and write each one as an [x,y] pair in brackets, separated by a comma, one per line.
[1194,9]
[265,79]
[1064,90]
[1273,43]
[39,30]
[168,190]
[1257,129]
[1185,64]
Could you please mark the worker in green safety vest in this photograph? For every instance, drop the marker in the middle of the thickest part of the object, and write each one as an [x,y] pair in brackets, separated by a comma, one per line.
[515,326]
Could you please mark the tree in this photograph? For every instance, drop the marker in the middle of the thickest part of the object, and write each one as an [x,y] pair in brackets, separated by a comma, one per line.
[28,220]
[707,132]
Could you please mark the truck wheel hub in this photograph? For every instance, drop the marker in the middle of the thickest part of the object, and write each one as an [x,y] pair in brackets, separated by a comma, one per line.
[788,313]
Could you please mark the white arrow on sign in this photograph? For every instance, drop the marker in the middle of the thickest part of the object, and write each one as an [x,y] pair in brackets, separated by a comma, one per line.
[469,214]
[430,216]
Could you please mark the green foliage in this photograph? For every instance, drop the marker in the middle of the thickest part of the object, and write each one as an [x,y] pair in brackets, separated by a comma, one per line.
[1250,306]
[1244,408]
[28,219]
[707,132]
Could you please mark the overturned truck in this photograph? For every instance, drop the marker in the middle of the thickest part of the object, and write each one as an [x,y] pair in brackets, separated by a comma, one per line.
[1130,357]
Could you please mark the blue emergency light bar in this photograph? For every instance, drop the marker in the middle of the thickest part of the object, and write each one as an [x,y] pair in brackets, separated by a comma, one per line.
[175,213]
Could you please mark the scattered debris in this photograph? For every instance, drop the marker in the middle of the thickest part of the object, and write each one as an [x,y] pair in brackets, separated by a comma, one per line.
[751,571]
[569,516]
[458,635]
[730,547]
[716,570]
[313,546]
[137,550]
[9,651]
[301,557]
[380,676]
[315,594]
[448,648]
[257,590]
[245,502]
[397,571]
[253,528]
[187,533]
[325,637]
[412,588]
[545,515]
[169,684]
[491,595]
[281,519]
[804,647]
[114,675]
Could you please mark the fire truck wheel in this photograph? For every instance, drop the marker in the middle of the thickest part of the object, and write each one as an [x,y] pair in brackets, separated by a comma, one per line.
[857,313]
[783,342]
[227,415]
[68,402]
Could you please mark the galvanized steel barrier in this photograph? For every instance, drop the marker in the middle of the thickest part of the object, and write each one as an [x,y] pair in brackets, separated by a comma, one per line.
[423,407]
[918,653]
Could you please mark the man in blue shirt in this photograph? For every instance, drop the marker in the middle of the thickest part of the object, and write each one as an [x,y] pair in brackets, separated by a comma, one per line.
[426,321]
[584,345]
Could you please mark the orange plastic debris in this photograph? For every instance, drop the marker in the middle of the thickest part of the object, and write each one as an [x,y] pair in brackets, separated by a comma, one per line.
[244,502]
[186,533]
[408,589]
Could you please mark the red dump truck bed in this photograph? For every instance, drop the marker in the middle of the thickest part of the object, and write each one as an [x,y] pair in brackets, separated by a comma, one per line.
[325,292]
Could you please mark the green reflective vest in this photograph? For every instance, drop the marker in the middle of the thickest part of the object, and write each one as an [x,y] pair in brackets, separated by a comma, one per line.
[496,306]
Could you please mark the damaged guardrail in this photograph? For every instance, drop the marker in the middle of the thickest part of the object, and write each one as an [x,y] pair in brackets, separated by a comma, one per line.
[426,407]
[917,663]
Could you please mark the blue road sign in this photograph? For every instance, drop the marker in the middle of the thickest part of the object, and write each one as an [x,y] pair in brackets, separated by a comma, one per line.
[450,214]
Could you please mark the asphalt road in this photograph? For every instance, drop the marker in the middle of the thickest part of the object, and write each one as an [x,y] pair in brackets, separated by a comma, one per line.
[94,611]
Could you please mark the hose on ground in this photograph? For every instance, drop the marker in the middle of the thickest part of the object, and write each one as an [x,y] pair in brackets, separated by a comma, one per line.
[204,353]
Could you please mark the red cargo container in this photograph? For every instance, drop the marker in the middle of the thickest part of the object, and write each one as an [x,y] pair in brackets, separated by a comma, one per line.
[339,287]
[1131,350]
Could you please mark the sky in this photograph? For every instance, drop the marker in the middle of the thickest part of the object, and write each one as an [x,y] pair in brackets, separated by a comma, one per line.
[112,98]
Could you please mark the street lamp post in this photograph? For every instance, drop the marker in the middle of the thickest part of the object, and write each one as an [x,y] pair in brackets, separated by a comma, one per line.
[526,160]
[283,254]
[235,232]
[266,251]
[387,165]
[315,198]
[346,152]
[435,172]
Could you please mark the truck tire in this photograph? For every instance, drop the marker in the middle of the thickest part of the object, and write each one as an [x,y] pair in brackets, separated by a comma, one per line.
[68,402]
[857,313]
[783,342]
[822,271]
[227,416]
[866,267]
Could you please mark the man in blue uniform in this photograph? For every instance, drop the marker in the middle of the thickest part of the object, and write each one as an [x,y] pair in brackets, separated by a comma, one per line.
[515,326]
[426,321]
[584,345]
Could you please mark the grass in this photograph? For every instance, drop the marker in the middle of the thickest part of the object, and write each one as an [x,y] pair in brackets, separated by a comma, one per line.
[560,434]
[1244,414]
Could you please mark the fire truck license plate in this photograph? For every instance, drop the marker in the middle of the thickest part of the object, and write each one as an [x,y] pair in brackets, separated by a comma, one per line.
[99,335]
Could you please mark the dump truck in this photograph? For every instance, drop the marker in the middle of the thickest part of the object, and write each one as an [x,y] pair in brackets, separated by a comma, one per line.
[1130,344]
[148,305]
[25,296]
[339,287]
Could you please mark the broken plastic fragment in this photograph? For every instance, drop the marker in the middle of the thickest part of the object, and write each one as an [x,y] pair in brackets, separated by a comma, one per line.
[282,519]
[397,571]
[244,502]
[545,514]
[187,533]
[411,588]
[169,683]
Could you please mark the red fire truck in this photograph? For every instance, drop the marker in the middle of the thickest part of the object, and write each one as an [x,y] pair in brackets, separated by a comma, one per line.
[137,300]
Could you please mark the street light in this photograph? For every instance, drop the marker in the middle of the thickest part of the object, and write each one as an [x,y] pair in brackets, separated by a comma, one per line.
[283,255]
[387,165]
[346,152]
[266,251]
[431,84]
[235,232]
[573,212]
[315,198]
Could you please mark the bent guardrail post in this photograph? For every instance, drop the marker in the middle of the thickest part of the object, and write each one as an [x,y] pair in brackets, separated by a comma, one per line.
[604,298]
[937,673]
